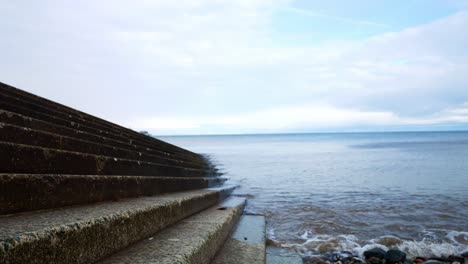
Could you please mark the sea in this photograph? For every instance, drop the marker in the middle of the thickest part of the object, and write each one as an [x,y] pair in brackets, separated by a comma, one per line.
[335,192]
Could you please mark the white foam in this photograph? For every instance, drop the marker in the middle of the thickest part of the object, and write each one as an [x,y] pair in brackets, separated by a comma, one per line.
[314,245]
[271,234]
[425,248]
[458,237]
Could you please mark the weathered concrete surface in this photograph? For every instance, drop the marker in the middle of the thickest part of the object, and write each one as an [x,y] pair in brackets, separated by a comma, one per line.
[53,156]
[281,256]
[247,244]
[87,120]
[28,192]
[194,240]
[75,132]
[38,110]
[84,234]
[33,137]
[20,109]
[37,100]
[16,158]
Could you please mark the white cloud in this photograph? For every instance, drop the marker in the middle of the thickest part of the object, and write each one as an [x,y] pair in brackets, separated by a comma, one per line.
[214,66]
[336,18]
[297,118]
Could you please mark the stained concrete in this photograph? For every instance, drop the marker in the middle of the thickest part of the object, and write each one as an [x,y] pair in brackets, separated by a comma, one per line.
[32,137]
[28,192]
[52,155]
[282,256]
[84,234]
[18,158]
[86,120]
[247,244]
[75,132]
[19,101]
[194,240]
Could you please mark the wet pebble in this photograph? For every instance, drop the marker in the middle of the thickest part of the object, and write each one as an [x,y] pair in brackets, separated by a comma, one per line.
[395,256]
[457,259]
[419,260]
[451,259]
[344,257]
[315,260]
[379,256]
[374,256]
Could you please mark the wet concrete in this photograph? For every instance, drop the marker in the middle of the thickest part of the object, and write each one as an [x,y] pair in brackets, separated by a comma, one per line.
[18,108]
[246,244]
[18,97]
[28,192]
[32,137]
[84,234]
[39,125]
[194,240]
[66,179]
[15,158]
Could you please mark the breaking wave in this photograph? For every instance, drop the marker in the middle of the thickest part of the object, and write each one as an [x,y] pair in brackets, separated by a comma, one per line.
[454,243]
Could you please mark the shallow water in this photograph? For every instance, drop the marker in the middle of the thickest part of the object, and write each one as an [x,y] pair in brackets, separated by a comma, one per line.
[332,192]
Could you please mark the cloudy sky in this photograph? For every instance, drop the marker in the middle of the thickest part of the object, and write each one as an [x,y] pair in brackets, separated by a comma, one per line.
[245,66]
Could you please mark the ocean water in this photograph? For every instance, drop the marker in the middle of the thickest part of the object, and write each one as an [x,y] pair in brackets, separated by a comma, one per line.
[326,193]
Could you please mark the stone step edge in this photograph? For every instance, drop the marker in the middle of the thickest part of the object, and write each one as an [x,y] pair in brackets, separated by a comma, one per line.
[19,120]
[32,98]
[18,158]
[85,234]
[16,108]
[19,107]
[193,240]
[32,137]
[246,244]
[29,192]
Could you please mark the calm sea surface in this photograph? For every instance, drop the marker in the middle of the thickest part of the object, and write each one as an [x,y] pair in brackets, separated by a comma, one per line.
[332,192]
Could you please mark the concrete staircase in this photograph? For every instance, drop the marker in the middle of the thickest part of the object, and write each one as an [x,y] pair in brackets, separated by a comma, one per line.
[78,189]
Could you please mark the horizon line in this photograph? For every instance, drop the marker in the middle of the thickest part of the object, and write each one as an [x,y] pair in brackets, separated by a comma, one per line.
[306,133]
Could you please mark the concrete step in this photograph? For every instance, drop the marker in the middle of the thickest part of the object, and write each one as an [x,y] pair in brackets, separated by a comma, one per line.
[277,255]
[85,234]
[16,158]
[40,108]
[45,106]
[32,98]
[35,124]
[247,244]
[17,97]
[21,109]
[194,240]
[28,192]
[32,137]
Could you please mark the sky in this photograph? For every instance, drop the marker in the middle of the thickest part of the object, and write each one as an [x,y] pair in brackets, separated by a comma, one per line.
[246,66]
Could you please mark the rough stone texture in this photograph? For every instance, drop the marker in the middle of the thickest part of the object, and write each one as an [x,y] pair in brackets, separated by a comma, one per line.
[247,244]
[84,234]
[33,137]
[281,256]
[194,240]
[20,109]
[27,192]
[25,122]
[53,156]
[16,158]
[19,101]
